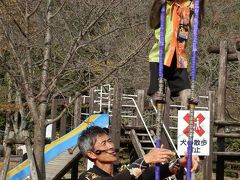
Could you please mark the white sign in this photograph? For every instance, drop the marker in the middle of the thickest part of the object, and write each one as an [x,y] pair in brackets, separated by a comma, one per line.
[49,131]
[201,132]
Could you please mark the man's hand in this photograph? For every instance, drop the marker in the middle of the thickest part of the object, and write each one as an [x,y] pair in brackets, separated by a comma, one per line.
[195,160]
[158,155]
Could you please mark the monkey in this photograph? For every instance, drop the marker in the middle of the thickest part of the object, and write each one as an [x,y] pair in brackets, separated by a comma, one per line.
[154,19]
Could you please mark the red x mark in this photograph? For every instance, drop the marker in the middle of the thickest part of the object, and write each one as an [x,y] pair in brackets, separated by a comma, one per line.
[197,121]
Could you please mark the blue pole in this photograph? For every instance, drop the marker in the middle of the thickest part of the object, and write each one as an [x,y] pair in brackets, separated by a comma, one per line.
[161,84]
[195,39]
[193,79]
[162,40]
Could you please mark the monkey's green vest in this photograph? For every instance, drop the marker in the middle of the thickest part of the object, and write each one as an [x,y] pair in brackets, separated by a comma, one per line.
[178,17]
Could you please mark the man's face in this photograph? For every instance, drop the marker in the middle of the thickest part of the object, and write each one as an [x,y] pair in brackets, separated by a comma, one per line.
[106,146]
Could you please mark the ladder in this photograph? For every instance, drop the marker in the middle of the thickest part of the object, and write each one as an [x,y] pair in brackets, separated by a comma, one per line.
[141,141]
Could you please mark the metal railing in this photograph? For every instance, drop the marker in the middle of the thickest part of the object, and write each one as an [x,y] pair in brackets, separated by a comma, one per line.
[130,109]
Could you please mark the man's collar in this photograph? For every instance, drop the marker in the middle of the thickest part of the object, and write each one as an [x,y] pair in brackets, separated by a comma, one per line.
[99,171]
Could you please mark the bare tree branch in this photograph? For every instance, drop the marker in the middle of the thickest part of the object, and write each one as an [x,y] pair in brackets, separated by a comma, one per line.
[108,33]
[34,10]
[59,9]
[70,55]
[25,84]
[14,20]
[97,18]
[19,8]
[105,76]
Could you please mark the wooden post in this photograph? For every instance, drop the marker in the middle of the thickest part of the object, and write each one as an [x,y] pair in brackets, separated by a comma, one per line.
[166,122]
[77,112]
[140,104]
[33,168]
[92,97]
[6,162]
[74,170]
[63,123]
[221,104]
[115,130]
[208,169]
[53,115]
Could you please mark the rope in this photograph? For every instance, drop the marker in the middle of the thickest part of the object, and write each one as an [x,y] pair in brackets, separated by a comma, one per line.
[192,101]
[161,102]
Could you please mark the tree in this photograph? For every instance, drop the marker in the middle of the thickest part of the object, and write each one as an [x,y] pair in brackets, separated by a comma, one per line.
[56,48]
[51,46]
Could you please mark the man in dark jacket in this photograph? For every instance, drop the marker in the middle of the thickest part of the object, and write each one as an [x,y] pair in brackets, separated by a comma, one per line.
[95,144]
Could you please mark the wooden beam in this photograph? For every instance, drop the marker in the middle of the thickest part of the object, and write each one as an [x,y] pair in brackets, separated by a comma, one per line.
[216,50]
[232,53]
[236,172]
[74,170]
[166,121]
[227,153]
[92,98]
[115,130]
[53,115]
[208,161]
[221,94]
[140,104]
[6,163]
[65,166]
[63,124]
[31,158]
[13,158]
[139,128]
[233,163]
[77,112]
[77,118]
[232,57]
[227,123]
[237,47]
[227,135]
[136,144]
[221,104]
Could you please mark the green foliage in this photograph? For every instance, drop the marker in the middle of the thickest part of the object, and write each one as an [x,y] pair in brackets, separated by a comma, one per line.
[233,145]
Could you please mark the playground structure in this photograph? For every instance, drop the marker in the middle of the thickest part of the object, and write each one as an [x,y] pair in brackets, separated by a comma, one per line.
[56,155]
[227,55]
[137,130]
[130,113]
[136,112]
